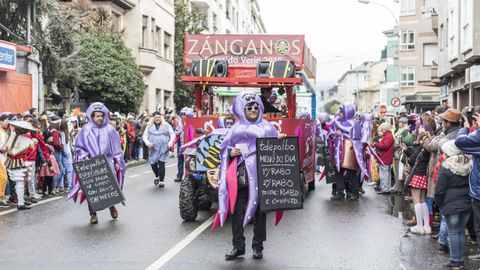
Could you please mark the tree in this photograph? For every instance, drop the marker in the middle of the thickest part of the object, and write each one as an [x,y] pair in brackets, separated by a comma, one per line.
[187,21]
[332,106]
[109,73]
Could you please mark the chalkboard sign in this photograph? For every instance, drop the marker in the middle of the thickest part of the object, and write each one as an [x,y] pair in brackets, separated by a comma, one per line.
[278,166]
[320,152]
[98,183]
[332,175]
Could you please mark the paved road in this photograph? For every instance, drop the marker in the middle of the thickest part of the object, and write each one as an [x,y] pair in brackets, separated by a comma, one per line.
[324,235]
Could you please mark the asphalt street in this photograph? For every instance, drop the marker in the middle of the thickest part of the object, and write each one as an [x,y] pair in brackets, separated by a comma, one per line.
[150,233]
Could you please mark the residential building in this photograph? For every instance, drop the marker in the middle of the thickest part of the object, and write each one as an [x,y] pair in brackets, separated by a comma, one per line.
[352,81]
[418,55]
[366,98]
[459,47]
[390,88]
[148,28]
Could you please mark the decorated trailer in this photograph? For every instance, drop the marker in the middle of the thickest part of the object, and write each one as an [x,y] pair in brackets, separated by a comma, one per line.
[240,61]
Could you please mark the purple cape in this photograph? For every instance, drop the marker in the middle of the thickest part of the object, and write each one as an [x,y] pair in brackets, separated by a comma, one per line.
[243,132]
[94,140]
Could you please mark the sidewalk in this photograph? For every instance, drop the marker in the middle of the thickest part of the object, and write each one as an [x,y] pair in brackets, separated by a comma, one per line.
[46,199]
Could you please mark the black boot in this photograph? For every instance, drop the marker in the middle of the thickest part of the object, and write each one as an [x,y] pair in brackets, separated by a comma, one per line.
[337,197]
[235,253]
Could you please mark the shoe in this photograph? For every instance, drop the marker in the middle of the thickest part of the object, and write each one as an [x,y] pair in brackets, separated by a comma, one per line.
[353,198]
[161,184]
[257,254]
[60,191]
[23,207]
[337,198]
[235,253]
[362,191]
[33,200]
[444,248]
[178,179]
[453,265]
[93,218]
[435,236]
[27,201]
[156,181]
[383,192]
[475,257]
[417,230]
[427,229]
[4,204]
[14,201]
[411,222]
[372,183]
[113,212]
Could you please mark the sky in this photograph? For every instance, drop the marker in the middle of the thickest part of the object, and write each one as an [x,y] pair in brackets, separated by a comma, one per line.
[339,33]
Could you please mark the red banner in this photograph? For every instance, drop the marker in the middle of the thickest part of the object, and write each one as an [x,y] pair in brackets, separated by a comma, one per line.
[245,50]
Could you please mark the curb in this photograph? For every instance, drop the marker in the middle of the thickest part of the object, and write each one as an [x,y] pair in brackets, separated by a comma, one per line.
[135,163]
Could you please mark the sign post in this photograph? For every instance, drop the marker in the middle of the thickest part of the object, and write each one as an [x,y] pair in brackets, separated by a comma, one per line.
[98,183]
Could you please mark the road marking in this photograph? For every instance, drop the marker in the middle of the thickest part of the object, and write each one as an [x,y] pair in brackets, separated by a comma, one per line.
[180,245]
[36,204]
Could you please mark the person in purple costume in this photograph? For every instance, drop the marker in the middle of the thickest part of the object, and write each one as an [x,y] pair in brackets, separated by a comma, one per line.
[97,138]
[238,183]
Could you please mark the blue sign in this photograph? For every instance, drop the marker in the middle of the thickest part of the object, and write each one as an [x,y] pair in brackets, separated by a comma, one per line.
[7,56]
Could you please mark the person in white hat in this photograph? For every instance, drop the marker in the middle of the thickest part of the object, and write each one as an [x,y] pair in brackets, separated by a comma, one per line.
[16,148]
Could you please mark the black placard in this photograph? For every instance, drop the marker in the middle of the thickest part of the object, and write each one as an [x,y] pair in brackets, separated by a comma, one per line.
[278,166]
[320,152]
[98,183]
[329,165]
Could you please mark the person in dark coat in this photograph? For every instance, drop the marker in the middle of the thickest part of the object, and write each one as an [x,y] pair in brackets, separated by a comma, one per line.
[451,195]
[266,93]
[469,143]
[418,161]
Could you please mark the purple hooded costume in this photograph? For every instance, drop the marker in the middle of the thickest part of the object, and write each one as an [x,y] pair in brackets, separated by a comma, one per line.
[94,140]
[243,132]
[344,125]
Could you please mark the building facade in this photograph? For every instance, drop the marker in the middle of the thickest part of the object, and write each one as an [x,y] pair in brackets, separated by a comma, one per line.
[148,28]
[352,81]
[459,48]
[366,98]
[418,55]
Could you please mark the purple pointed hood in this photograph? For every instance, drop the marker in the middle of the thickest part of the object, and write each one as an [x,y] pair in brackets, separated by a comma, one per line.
[241,101]
[98,107]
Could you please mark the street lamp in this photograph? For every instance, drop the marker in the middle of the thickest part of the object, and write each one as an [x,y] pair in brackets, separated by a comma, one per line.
[396,30]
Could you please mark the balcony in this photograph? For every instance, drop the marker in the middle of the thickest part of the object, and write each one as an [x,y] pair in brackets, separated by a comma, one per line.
[201,4]
[434,75]
[125,4]
[435,22]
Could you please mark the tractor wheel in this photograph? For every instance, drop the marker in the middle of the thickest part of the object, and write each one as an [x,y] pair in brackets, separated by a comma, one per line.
[188,201]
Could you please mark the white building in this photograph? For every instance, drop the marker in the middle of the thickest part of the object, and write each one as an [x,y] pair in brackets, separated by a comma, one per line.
[352,81]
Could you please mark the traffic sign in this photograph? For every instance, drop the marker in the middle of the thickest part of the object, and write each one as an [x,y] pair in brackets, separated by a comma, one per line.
[396,102]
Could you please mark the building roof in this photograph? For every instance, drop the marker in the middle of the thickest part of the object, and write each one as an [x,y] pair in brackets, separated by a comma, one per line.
[363,68]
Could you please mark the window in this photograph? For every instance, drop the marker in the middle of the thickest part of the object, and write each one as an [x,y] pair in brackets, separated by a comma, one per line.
[227,8]
[408,77]
[453,31]
[167,41]
[116,21]
[152,34]
[214,21]
[430,54]
[407,7]
[158,39]
[407,41]
[144,31]
[441,34]
[466,21]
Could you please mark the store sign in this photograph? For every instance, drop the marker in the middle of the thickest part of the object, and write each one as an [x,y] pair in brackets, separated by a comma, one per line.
[245,49]
[427,12]
[7,56]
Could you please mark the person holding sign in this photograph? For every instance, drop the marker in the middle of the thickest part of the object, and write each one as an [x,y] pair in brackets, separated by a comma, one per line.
[159,137]
[97,138]
[238,183]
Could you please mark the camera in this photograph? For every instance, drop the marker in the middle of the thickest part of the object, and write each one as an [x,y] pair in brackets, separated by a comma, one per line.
[468,113]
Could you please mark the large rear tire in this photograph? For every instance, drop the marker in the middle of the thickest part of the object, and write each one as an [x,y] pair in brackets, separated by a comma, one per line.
[187,200]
